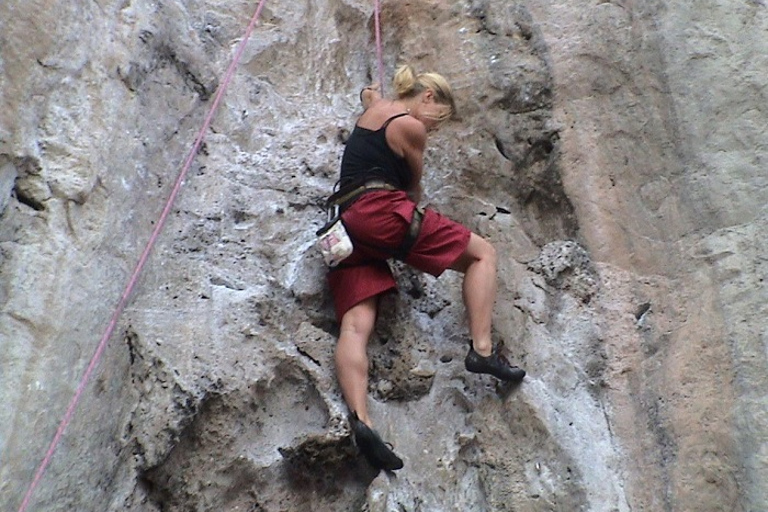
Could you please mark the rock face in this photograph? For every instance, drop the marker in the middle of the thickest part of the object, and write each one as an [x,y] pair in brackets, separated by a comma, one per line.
[614,153]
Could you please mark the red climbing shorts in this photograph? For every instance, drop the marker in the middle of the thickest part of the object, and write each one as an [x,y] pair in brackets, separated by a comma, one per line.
[379,220]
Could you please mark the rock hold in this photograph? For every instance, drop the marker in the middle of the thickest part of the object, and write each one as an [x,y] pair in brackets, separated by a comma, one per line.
[566,265]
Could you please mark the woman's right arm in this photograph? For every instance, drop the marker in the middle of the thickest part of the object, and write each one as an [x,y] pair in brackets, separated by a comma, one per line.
[408,138]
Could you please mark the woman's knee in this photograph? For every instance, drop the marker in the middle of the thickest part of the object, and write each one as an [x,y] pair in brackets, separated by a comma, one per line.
[360,318]
[487,251]
[478,250]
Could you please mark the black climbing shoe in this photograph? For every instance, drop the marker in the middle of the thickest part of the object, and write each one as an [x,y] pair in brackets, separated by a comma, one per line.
[494,364]
[379,455]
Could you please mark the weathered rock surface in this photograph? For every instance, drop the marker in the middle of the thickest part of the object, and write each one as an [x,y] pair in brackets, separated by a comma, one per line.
[614,152]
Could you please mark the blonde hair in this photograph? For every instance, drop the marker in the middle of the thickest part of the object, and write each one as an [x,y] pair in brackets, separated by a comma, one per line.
[408,84]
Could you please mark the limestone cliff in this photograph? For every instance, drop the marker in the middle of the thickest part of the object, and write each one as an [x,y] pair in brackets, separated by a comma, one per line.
[613,151]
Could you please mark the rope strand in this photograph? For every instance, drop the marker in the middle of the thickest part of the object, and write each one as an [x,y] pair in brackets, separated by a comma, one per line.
[379,57]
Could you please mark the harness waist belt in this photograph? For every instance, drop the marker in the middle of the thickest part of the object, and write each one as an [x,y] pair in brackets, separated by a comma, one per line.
[344,197]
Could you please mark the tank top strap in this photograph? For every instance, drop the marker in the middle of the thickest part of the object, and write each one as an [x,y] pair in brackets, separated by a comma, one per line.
[386,123]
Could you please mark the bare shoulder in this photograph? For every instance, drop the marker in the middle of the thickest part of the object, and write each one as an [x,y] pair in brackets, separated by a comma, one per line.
[409,124]
[375,115]
[406,132]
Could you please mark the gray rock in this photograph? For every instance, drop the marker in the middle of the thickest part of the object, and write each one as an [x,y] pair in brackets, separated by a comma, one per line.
[613,152]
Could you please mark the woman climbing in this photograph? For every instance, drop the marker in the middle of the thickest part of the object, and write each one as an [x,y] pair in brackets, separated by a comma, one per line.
[380,187]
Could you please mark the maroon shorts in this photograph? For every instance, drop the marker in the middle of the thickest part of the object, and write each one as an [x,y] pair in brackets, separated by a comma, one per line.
[379,220]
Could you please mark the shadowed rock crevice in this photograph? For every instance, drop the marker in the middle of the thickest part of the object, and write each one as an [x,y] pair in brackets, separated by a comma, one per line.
[164,57]
[518,116]
[23,175]
[161,49]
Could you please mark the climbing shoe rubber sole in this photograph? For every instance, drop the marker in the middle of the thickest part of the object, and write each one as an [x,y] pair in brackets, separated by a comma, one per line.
[376,451]
[494,364]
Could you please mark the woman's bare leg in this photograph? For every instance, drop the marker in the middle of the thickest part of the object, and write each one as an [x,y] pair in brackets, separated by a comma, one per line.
[478,263]
[351,357]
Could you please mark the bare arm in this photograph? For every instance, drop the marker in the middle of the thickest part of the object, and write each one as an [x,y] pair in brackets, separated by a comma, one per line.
[369,95]
[408,138]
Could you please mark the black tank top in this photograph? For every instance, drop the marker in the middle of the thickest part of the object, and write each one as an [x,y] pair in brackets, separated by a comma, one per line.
[368,156]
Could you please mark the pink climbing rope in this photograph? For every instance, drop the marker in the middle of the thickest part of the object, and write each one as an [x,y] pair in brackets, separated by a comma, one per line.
[379,57]
[142,261]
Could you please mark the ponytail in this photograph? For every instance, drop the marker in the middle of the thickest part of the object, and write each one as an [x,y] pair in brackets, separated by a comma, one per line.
[405,82]
[408,84]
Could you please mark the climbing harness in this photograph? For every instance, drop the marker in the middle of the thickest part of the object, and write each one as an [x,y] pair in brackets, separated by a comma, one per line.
[414,228]
[142,261]
[333,235]
[347,195]
[333,241]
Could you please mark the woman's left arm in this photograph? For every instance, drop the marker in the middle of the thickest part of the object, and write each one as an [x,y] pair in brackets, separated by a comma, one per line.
[369,95]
